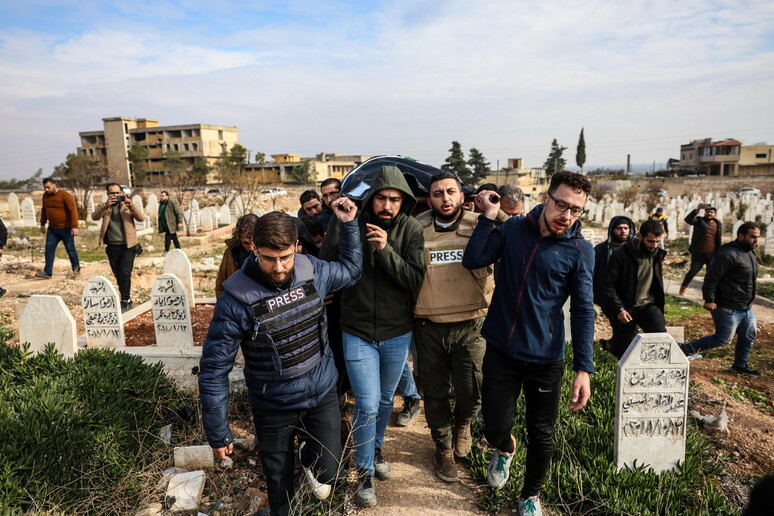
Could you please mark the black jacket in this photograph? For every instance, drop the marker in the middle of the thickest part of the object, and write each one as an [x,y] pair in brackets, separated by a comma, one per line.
[700,225]
[621,282]
[730,281]
[602,254]
[3,234]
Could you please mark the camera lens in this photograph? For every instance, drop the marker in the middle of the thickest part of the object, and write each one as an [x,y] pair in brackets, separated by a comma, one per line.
[494,198]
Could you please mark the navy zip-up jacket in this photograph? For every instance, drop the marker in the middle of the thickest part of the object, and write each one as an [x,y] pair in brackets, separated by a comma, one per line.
[537,275]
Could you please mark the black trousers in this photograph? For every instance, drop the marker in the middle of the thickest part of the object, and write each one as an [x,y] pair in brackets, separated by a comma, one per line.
[319,427]
[121,260]
[648,317]
[168,239]
[698,260]
[504,379]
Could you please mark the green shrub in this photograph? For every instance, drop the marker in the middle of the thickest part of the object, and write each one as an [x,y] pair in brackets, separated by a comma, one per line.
[583,478]
[76,433]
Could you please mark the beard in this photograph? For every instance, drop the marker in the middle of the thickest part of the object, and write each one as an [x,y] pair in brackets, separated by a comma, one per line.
[375,218]
[448,218]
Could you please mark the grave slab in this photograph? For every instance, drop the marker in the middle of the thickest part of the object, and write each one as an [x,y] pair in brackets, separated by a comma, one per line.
[102,314]
[171,313]
[46,319]
[176,262]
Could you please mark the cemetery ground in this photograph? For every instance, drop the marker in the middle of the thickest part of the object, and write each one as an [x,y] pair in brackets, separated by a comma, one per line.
[741,455]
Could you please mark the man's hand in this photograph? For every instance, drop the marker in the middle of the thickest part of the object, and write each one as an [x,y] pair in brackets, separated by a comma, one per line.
[223,453]
[624,316]
[344,208]
[710,306]
[484,203]
[377,236]
[74,231]
[581,391]
[701,206]
[42,229]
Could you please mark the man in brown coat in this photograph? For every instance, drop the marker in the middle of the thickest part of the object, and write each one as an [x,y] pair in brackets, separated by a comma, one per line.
[61,213]
[120,237]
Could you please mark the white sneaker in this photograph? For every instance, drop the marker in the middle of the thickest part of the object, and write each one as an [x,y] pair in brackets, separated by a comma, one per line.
[319,490]
[530,507]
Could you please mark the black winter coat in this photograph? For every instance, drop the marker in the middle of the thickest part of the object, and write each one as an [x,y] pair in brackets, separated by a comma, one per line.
[730,281]
[621,283]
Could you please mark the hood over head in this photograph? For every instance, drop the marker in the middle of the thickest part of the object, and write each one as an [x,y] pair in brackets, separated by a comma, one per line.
[619,219]
[391,177]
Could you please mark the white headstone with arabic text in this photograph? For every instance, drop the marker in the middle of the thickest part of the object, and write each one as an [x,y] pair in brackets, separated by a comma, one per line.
[651,403]
[102,314]
[176,262]
[171,313]
[28,212]
[13,207]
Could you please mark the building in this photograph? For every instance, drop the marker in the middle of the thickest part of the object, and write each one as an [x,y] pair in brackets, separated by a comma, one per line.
[726,158]
[192,141]
[516,174]
[323,166]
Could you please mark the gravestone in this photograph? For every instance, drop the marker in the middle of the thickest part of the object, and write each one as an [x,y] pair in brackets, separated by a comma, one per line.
[194,220]
[176,262]
[90,206]
[768,245]
[102,314]
[207,219]
[104,196]
[171,312]
[28,212]
[13,207]
[651,403]
[46,319]
[735,227]
[152,209]
[225,216]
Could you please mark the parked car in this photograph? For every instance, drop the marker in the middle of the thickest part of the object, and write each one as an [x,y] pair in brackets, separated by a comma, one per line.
[216,191]
[274,191]
[749,191]
[126,190]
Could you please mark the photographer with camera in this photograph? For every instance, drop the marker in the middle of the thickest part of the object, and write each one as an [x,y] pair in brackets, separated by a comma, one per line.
[118,234]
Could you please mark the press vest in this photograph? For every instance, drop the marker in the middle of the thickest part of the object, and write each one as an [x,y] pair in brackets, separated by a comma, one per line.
[289,330]
[451,293]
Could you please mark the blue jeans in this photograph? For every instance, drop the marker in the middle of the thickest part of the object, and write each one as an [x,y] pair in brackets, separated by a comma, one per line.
[374,370]
[728,322]
[407,385]
[53,237]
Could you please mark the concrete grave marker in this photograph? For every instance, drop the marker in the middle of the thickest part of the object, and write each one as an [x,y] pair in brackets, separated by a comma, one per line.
[225,216]
[651,403]
[13,207]
[28,212]
[90,207]
[171,313]
[768,245]
[207,219]
[176,262]
[102,314]
[46,319]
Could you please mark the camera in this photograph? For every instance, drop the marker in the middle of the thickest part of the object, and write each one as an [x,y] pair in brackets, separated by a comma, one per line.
[120,198]
[494,198]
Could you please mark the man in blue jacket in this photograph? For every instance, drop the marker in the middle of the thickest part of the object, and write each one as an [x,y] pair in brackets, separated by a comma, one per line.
[273,308]
[544,259]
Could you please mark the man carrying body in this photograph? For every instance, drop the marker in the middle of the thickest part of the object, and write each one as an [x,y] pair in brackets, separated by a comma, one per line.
[118,234]
[170,219]
[511,200]
[633,292]
[61,213]
[705,241]
[330,189]
[273,308]
[544,259]
[729,291]
[449,313]
[377,315]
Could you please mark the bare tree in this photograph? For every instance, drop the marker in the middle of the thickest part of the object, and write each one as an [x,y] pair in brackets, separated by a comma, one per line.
[82,174]
[628,196]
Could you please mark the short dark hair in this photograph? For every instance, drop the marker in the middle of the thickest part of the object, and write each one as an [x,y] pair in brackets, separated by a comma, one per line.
[513,193]
[746,228]
[652,227]
[487,186]
[708,208]
[50,180]
[331,181]
[659,210]
[244,226]
[571,179]
[308,195]
[275,230]
[445,175]
[164,191]
[107,186]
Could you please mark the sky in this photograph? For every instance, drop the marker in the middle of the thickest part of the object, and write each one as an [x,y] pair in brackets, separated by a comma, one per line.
[395,77]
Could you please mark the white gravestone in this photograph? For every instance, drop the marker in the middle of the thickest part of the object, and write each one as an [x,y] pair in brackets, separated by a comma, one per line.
[152,209]
[90,207]
[225,216]
[734,228]
[207,218]
[46,319]
[102,314]
[171,313]
[13,207]
[28,212]
[768,245]
[194,217]
[651,403]
[176,262]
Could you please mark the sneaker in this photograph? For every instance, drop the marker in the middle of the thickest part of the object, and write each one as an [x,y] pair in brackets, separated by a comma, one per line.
[126,306]
[366,493]
[499,468]
[445,468]
[462,440]
[382,470]
[2,292]
[77,272]
[409,413]
[43,275]
[319,490]
[530,507]
[744,370]
[682,290]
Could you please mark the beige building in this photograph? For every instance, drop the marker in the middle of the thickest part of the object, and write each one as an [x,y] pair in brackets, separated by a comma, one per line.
[726,158]
[323,166]
[192,141]
[516,174]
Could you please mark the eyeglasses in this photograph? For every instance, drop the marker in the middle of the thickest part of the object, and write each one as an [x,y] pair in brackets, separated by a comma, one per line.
[284,260]
[334,195]
[561,207]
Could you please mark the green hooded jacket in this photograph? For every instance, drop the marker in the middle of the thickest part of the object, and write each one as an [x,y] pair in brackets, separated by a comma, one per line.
[380,306]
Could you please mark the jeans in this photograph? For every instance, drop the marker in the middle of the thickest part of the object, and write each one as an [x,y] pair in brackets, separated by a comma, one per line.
[408,383]
[121,260]
[504,379]
[319,427]
[168,239]
[698,260]
[374,371]
[53,237]
[728,322]
[648,317]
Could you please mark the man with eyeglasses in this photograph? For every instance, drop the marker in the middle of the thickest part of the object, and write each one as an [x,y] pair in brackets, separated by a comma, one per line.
[544,260]
[330,190]
[273,308]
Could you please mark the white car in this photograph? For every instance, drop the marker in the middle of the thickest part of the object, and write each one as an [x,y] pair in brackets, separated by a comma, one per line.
[749,191]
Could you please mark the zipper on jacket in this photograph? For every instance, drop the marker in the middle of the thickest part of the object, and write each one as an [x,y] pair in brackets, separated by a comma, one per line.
[521,288]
